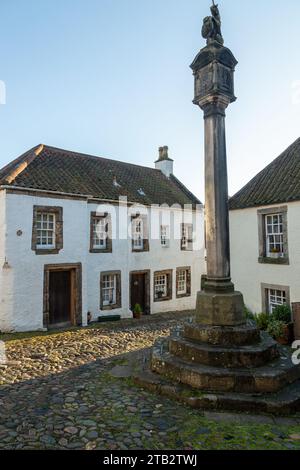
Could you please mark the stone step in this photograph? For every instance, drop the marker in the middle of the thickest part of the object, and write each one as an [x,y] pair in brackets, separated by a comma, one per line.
[265,379]
[284,402]
[223,336]
[224,356]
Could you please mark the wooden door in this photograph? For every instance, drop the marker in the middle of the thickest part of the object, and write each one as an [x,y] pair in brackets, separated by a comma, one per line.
[138,290]
[59,297]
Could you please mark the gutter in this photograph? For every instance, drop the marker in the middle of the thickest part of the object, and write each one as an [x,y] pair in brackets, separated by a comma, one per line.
[87,197]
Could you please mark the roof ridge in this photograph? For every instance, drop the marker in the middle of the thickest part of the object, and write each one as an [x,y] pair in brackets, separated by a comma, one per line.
[86,155]
[236,201]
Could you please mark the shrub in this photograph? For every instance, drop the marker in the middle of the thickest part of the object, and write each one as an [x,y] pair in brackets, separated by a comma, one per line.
[262,320]
[249,315]
[282,313]
[276,328]
[137,309]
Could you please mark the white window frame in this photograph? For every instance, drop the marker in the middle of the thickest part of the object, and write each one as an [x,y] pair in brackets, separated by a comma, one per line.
[99,233]
[161,285]
[138,234]
[109,290]
[274,234]
[45,229]
[165,236]
[182,281]
[187,233]
[276,297]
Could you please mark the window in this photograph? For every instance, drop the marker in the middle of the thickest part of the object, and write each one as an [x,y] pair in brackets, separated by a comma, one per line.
[139,230]
[186,237]
[183,282]
[47,230]
[274,295]
[161,288]
[162,285]
[100,240]
[275,298]
[165,235]
[99,234]
[137,234]
[109,285]
[273,235]
[110,290]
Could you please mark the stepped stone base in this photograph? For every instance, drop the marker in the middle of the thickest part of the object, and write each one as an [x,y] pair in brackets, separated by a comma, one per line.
[285,402]
[224,367]
[269,378]
[248,356]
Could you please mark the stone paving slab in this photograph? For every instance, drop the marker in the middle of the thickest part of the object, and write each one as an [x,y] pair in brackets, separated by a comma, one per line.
[50,402]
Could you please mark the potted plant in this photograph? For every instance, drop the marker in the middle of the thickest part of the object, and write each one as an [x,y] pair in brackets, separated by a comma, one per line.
[274,253]
[282,313]
[262,321]
[137,311]
[278,330]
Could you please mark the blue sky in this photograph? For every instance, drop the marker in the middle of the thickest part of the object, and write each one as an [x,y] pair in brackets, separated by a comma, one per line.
[112,78]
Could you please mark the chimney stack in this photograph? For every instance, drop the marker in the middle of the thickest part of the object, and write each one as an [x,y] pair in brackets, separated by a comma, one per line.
[164,163]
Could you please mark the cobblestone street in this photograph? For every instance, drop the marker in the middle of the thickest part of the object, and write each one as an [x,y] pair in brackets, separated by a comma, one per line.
[57,392]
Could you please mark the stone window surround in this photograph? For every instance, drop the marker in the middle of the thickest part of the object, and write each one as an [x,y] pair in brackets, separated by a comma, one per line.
[118,303]
[98,216]
[169,274]
[261,213]
[265,300]
[144,219]
[188,281]
[189,246]
[58,212]
[76,270]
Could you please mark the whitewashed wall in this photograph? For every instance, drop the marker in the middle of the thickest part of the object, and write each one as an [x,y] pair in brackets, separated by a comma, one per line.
[21,285]
[247,273]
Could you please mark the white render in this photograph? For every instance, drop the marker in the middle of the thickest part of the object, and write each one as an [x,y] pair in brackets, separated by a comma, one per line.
[22,270]
[247,273]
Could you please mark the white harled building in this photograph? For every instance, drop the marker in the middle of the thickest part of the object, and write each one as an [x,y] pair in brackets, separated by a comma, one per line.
[84,237]
[265,235]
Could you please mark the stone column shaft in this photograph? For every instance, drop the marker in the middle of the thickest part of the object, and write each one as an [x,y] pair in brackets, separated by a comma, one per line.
[216,195]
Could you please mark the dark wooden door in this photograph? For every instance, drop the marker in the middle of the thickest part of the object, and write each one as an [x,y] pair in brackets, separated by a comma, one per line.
[59,297]
[138,290]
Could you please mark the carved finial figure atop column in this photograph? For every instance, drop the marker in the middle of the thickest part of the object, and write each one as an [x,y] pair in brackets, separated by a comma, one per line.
[211,29]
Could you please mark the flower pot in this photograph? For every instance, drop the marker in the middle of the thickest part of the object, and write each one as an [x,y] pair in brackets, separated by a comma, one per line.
[288,335]
[274,255]
[137,316]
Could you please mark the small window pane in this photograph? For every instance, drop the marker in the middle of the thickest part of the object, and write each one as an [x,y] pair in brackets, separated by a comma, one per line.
[45,227]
